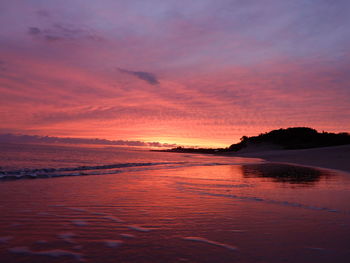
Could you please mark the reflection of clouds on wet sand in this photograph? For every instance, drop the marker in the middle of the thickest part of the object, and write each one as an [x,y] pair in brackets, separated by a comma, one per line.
[285,173]
[210,242]
[191,212]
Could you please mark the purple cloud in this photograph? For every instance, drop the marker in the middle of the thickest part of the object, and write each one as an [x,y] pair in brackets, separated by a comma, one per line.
[63,32]
[20,138]
[146,76]
[227,68]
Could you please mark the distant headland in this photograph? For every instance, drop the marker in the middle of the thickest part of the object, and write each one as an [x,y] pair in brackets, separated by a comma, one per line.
[287,139]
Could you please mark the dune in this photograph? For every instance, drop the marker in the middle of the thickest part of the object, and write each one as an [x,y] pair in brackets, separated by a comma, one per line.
[334,157]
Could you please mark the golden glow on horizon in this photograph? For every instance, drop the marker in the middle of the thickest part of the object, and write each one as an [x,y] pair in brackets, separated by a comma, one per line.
[189,142]
[174,85]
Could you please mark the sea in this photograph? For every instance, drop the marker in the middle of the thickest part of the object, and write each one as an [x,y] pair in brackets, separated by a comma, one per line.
[23,161]
[97,203]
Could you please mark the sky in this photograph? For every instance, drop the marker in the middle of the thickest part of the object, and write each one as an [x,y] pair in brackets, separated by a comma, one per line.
[198,72]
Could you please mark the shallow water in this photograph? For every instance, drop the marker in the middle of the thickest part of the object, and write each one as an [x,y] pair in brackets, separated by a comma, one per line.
[26,161]
[188,211]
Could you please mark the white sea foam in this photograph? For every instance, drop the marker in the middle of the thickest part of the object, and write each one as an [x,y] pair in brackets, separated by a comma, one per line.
[269,201]
[67,236]
[112,243]
[51,253]
[79,223]
[77,209]
[210,242]
[139,228]
[333,210]
[113,218]
[98,213]
[76,171]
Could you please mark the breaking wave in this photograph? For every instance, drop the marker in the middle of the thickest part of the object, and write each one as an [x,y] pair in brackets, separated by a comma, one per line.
[27,173]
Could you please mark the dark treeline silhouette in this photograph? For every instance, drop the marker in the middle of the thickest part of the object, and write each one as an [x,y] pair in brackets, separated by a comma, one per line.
[194,150]
[290,138]
[295,138]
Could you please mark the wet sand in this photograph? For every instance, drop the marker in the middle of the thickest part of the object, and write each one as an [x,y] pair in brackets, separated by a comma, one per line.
[225,213]
[336,157]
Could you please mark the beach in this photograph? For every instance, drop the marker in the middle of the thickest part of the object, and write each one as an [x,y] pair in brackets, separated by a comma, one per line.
[196,208]
[174,131]
[335,157]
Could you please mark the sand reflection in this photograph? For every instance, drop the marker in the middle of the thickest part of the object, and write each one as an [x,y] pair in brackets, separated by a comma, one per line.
[285,173]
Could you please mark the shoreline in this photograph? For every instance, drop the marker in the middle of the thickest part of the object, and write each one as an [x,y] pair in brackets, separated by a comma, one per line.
[334,157]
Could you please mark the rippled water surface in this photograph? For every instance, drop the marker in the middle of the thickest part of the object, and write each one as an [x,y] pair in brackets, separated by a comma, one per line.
[139,206]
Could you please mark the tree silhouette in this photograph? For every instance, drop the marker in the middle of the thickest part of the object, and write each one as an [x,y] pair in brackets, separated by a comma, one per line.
[294,138]
[290,138]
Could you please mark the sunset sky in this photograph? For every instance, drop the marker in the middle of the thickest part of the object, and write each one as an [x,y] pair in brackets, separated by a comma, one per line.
[198,72]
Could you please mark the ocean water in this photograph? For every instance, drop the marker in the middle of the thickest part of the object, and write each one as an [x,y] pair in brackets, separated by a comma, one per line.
[23,161]
[98,204]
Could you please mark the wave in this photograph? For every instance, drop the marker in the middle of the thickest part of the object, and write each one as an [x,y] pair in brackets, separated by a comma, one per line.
[27,173]
[189,187]
[49,172]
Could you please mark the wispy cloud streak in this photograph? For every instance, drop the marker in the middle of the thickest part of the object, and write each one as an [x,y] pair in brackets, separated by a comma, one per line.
[173,71]
[17,138]
[146,76]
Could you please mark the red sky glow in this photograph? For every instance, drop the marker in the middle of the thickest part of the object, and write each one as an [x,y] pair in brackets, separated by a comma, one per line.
[187,72]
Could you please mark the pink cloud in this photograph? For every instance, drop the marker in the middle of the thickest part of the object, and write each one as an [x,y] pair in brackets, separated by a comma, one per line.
[208,73]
